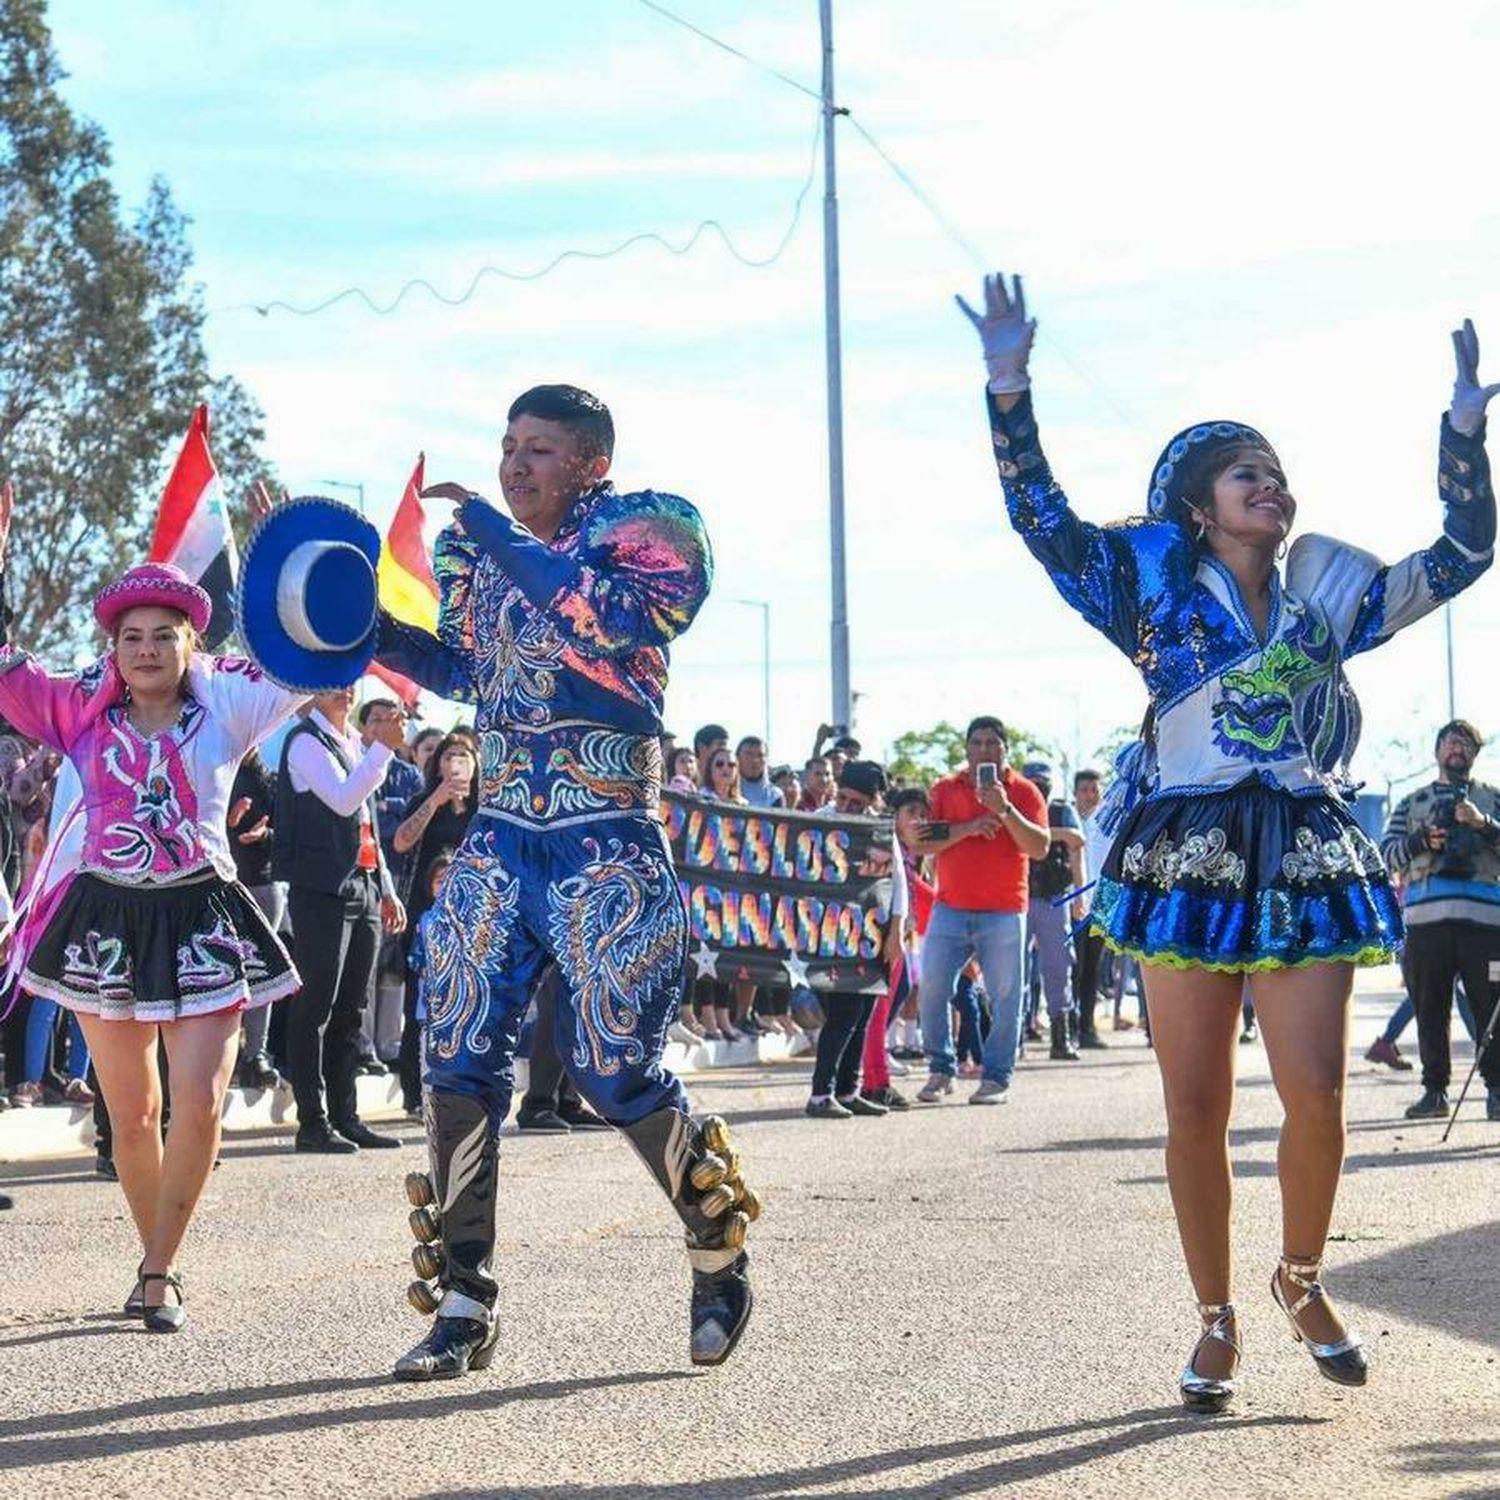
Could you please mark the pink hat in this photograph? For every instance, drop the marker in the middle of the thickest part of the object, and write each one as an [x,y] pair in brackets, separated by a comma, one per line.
[161,584]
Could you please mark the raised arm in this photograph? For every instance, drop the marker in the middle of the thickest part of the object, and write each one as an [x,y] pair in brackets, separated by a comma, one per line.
[440,668]
[1398,595]
[639,580]
[1094,569]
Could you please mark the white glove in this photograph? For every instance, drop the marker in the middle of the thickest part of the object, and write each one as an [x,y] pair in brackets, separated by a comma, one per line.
[1005,332]
[1469,397]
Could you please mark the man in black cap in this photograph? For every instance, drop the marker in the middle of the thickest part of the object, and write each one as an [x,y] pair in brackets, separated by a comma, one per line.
[1444,840]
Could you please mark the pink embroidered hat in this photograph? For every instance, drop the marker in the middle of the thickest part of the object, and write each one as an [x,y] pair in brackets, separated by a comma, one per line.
[161,584]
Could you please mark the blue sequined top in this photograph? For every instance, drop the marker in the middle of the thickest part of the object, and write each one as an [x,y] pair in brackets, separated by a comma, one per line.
[1228,703]
[576,629]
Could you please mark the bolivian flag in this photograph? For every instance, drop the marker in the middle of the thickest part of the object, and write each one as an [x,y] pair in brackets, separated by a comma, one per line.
[404,576]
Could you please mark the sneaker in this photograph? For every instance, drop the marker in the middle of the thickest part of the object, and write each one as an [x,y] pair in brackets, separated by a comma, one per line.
[990,1092]
[1433,1105]
[827,1109]
[104,1166]
[889,1097]
[896,1067]
[1091,1041]
[543,1121]
[857,1104]
[1382,1051]
[679,1033]
[372,1067]
[1249,1034]
[78,1092]
[26,1096]
[936,1086]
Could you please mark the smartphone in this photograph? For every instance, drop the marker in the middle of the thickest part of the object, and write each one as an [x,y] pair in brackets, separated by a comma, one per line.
[940,830]
[987,773]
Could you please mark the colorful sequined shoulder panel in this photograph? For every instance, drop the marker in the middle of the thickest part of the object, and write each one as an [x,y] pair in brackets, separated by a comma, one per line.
[1234,694]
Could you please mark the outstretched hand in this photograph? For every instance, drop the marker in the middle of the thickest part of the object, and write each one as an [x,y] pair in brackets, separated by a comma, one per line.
[262,501]
[1469,397]
[1006,333]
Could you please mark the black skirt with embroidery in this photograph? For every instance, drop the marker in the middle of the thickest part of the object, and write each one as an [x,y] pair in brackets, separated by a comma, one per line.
[157,953]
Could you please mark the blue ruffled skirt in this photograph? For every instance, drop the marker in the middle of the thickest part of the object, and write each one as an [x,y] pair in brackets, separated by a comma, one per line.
[1245,879]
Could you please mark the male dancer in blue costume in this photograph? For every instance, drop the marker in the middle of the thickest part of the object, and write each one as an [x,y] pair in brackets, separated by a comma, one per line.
[556,624]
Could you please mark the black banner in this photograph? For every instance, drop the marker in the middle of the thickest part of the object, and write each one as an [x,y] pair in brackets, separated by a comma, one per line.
[782,897]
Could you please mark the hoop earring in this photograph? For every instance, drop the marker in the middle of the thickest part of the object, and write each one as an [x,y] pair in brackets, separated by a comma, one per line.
[1281,550]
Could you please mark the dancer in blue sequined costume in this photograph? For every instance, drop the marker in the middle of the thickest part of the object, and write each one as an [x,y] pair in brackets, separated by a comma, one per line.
[556,625]
[1236,856]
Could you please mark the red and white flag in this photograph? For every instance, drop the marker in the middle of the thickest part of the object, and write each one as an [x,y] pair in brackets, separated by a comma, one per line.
[192,528]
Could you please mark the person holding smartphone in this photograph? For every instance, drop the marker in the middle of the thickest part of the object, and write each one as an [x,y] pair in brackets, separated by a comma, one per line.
[988,822]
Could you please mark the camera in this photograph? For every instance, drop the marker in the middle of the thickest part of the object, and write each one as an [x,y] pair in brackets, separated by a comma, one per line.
[1460,853]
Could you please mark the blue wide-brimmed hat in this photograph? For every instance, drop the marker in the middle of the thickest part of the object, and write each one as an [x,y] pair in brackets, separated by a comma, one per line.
[307,602]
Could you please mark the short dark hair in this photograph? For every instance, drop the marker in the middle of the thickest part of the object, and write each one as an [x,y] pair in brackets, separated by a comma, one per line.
[362,717]
[709,734]
[985,721]
[585,415]
[814,760]
[1085,775]
[848,745]
[1463,727]
[907,797]
[750,742]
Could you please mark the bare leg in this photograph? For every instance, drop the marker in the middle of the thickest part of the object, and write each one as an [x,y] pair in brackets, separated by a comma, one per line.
[1304,1019]
[124,1054]
[1194,1021]
[201,1052]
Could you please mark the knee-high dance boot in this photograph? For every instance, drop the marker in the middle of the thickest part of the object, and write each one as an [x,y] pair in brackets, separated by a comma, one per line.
[453,1220]
[699,1171]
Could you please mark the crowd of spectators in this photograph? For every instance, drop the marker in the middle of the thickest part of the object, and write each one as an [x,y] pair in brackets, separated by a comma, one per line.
[989,951]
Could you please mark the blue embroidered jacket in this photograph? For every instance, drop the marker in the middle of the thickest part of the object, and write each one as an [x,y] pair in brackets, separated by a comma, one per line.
[563,647]
[1228,703]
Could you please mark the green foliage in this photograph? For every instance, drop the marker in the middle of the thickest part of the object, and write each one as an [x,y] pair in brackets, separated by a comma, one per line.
[920,756]
[104,358]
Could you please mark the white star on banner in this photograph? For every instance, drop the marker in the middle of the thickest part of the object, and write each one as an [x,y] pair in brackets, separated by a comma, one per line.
[707,962]
[796,970]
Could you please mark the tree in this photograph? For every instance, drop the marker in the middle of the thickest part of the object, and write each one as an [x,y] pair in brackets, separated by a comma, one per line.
[103,351]
[920,756]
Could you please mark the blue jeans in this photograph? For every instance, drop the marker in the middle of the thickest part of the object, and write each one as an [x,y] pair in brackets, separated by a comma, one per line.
[39,1023]
[998,940]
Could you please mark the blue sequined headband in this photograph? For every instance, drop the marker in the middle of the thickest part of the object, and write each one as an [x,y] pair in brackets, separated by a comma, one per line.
[1165,500]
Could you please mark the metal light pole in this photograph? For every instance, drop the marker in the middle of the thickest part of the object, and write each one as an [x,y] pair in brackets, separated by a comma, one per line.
[840,621]
[764,606]
[348,484]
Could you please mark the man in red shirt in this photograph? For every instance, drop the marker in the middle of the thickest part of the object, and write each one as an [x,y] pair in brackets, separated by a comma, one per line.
[988,822]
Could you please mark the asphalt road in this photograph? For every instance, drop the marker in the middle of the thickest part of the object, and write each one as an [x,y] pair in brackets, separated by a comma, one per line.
[954,1302]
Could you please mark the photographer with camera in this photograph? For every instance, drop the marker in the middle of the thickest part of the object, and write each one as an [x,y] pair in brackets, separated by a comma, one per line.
[1444,841]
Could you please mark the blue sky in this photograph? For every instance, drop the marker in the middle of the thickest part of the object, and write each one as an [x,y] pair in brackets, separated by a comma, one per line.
[1268,210]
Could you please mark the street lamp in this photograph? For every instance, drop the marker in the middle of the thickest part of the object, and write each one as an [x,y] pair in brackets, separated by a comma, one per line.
[348,484]
[764,606]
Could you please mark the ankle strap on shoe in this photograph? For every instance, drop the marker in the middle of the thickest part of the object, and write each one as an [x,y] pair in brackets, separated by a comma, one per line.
[1304,1274]
[1221,1315]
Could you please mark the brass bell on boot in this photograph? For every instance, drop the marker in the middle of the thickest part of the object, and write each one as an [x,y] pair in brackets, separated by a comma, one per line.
[715,1133]
[716,1202]
[749,1204]
[419,1191]
[736,1226]
[709,1173]
[424,1225]
[428,1260]
[423,1297]
[732,1161]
